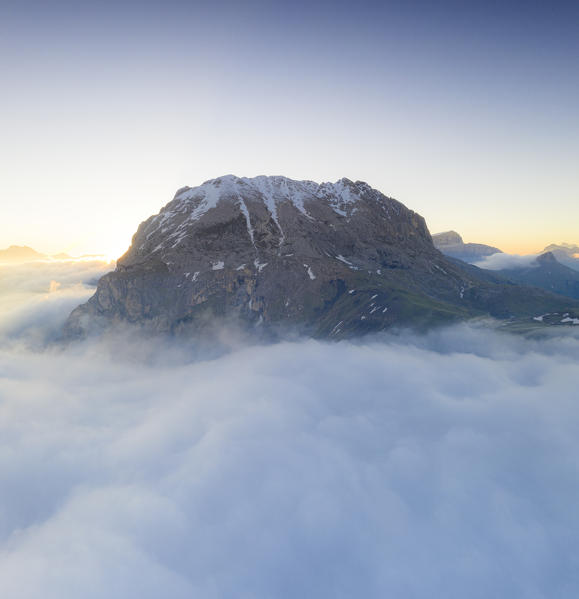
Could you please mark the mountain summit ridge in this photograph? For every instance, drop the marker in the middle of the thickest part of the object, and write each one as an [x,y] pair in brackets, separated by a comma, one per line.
[192,203]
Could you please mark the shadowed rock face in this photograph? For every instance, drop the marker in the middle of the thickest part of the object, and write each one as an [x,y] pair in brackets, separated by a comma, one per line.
[275,255]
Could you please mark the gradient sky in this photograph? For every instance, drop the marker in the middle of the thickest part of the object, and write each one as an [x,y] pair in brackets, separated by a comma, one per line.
[466,112]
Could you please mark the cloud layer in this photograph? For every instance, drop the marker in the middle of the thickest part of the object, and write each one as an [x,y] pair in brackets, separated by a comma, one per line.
[435,466]
[501,261]
[36,297]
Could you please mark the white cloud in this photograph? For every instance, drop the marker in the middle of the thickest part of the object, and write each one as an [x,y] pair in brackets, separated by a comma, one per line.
[435,466]
[502,261]
[35,298]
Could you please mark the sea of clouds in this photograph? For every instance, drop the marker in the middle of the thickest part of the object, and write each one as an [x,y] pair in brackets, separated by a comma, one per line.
[444,465]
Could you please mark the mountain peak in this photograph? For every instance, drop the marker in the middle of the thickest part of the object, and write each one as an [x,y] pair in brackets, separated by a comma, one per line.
[546,259]
[269,253]
[271,185]
[263,199]
[568,248]
[451,244]
[20,253]
[447,238]
[565,253]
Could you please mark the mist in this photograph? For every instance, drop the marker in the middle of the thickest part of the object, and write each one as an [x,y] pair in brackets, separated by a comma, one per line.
[36,297]
[501,261]
[442,465]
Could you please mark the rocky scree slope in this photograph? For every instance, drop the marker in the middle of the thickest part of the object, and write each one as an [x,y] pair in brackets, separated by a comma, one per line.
[275,255]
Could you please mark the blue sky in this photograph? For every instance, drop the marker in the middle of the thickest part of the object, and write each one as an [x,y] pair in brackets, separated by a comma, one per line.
[466,112]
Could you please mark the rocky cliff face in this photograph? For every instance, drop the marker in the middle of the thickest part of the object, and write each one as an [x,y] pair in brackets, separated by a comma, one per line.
[272,254]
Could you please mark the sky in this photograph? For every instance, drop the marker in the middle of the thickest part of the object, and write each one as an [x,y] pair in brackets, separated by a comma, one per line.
[132,468]
[464,111]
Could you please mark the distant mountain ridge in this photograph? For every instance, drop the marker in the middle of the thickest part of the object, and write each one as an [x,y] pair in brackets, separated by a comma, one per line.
[554,269]
[24,253]
[451,244]
[20,253]
[547,273]
[274,254]
[551,270]
[565,253]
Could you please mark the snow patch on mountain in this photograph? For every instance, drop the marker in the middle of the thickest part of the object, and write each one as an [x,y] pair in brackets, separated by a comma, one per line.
[342,195]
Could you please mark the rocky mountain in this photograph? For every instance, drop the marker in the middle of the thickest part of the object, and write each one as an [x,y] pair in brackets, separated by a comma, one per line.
[565,253]
[447,239]
[20,253]
[451,244]
[547,273]
[274,255]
